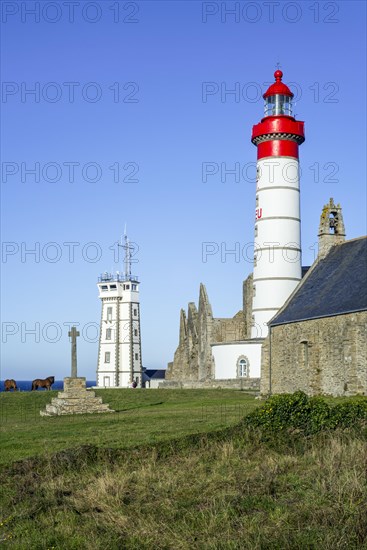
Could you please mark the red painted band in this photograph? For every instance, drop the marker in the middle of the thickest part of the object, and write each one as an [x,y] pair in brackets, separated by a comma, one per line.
[277,148]
[279,125]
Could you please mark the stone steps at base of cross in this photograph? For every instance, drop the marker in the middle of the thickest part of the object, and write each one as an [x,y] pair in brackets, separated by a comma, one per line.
[73,401]
[70,409]
[77,394]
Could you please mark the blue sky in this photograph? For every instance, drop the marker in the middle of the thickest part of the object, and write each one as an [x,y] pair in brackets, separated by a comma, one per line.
[145,89]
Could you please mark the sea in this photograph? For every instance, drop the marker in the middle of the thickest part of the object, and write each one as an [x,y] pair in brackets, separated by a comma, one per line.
[26,385]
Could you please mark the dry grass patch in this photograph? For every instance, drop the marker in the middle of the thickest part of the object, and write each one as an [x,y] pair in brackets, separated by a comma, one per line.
[234,494]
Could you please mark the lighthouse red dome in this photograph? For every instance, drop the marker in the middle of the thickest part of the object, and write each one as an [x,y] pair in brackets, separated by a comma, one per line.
[278,87]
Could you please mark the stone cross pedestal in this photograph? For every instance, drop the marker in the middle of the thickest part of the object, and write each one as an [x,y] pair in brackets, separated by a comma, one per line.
[75,399]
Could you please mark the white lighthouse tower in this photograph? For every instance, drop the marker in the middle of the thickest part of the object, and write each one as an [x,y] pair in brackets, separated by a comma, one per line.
[119,354]
[277,256]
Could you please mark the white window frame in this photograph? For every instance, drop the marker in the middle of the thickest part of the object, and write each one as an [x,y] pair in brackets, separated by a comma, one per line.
[241,362]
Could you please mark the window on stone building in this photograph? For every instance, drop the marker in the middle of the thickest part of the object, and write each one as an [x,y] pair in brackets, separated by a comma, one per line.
[107,357]
[243,367]
[109,334]
[135,332]
[135,312]
[109,314]
[136,356]
[304,352]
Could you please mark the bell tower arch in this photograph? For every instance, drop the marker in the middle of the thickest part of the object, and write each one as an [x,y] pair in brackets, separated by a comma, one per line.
[331,228]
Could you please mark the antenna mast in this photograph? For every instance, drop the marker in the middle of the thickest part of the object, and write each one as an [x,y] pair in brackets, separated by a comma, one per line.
[128,249]
[128,255]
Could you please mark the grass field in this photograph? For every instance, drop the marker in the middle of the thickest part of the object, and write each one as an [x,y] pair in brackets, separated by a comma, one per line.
[175,470]
[142,417]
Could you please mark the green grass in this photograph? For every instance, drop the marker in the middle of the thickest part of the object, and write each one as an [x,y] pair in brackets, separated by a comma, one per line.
[142,417]
[177,470]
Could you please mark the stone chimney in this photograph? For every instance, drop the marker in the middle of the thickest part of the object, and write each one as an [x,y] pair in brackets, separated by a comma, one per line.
[331,229]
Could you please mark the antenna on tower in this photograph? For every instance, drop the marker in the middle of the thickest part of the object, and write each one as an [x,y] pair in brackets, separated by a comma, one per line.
[128,255]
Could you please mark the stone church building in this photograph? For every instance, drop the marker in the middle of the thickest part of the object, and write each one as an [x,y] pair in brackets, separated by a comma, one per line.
[317,341]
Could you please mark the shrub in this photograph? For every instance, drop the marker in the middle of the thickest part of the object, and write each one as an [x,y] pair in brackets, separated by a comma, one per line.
[308,415]
[349,414]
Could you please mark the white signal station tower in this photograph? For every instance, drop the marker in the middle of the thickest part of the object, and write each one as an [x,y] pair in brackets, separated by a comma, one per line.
[119,354]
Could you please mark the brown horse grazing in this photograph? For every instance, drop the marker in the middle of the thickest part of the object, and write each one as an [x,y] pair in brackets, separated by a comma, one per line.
[10,384]
[46,383]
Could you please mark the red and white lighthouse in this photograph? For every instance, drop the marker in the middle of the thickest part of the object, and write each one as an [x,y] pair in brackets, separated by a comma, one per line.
[277,256]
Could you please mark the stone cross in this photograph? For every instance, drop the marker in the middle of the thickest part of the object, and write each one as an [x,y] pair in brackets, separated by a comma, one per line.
[73,333]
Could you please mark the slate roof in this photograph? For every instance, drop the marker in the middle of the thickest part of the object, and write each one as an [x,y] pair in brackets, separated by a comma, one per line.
[337,284]
[152,374]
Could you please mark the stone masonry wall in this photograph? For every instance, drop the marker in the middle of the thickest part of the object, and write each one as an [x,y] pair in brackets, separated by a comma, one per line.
[247,293]
[229,330]
[319,356]
[233,383]
[193,359]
